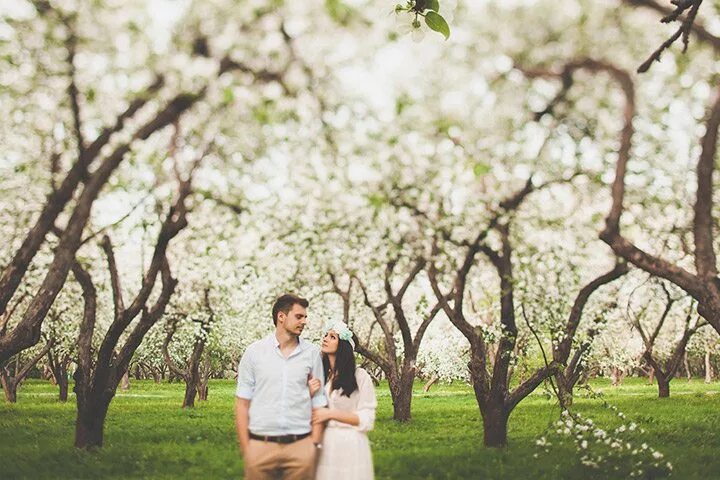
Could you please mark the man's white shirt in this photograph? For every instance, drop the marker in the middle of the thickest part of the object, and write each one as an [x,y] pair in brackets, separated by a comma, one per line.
[277,387]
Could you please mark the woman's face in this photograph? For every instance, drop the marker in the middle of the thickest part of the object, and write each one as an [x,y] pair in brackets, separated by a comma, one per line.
[330,342]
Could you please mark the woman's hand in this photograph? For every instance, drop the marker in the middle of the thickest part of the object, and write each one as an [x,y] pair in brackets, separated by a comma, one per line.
[313,385]
[322,415]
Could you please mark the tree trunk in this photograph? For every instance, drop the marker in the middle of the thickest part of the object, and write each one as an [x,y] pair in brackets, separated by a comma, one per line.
[10,388]
[401,394]
[495,421]
[48,374]
[565,390]
[687,366]
[190,391]
[125,381]
[203,390]
[651,375]
[663,386]
[63,384]
[708,367]
[90,423]
[616,376]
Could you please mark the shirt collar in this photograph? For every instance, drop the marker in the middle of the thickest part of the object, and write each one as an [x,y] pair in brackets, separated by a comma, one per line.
[273,341]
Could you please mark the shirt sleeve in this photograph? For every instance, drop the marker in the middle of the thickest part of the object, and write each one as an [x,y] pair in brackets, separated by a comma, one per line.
[319,400]
[367,402]
[246,377]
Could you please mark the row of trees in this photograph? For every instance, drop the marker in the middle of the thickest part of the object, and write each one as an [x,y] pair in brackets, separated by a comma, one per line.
[243,163]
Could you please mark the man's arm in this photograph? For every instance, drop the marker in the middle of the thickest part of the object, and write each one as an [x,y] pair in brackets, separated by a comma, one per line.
[317,432]
[243,393]
[242,407]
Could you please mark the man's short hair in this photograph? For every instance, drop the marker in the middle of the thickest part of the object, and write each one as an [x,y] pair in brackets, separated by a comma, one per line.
[284,304]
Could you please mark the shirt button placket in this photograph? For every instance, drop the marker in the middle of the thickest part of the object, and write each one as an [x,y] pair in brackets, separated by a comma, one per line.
[283,397]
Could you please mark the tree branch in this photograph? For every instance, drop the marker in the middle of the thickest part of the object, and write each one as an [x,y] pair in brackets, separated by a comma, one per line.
[172,327]
[705,260]
[87,325]
[529,385]
[697,29]
[562,352]
[149,317]
[114,278]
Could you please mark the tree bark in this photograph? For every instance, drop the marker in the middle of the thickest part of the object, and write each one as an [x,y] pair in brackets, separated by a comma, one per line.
[90,422]
[11,382]
[10,388]
[401,393]
[191,387]
[125,381]
[62,382]
[565,389]
[203,390]
[58,368]
[708,367]
[495,424]
[663,386]
[430,383]
[49,375]
[204,374]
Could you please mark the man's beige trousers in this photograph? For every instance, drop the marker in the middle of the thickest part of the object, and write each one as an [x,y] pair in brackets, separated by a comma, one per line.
[270,460]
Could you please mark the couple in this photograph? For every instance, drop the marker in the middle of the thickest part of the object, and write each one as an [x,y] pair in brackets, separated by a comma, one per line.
[291,424]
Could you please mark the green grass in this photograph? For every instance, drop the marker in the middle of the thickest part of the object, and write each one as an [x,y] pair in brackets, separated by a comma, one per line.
[147,435]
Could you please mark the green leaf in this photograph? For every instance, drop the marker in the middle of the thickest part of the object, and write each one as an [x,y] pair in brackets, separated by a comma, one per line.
[376,200]
[228,95]
[339,11]
[437,23]
[481,169]
[433,5]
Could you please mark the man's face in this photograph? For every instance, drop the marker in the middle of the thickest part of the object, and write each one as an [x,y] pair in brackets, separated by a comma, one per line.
[295,320]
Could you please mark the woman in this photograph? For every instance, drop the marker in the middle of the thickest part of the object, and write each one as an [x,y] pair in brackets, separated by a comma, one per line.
[345,452]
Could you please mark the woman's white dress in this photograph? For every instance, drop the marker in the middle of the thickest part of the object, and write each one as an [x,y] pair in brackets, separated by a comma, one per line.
[346,450]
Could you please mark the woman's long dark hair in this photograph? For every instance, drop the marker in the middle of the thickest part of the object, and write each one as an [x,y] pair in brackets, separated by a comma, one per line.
[344,368]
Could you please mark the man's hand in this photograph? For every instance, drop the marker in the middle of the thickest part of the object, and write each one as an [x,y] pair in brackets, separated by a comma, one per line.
[322,415]
[313,384]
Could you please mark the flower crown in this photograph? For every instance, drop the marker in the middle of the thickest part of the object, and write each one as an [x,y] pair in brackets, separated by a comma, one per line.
[341,329]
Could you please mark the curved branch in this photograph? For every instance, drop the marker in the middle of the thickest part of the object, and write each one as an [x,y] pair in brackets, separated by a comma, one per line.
[562,352]
[172,328]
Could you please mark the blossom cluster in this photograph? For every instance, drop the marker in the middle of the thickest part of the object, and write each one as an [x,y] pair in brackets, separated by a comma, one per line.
[606,450]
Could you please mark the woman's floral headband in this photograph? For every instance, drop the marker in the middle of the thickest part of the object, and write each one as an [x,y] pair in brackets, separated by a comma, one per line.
[341,329]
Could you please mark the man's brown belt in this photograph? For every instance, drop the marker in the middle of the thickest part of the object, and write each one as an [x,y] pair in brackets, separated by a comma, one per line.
[279,438]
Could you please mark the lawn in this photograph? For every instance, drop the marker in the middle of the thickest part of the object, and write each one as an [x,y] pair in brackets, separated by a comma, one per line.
[147,435]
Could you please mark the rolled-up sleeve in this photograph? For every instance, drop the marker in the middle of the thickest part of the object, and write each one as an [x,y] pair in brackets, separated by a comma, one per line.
[319,400]
[246,377]
[367,402]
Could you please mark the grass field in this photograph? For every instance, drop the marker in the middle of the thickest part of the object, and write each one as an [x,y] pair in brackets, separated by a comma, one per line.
[147,435]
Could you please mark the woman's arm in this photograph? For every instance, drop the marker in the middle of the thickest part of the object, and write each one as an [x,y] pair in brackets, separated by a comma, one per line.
[363,418]
[322,415]
[367,402]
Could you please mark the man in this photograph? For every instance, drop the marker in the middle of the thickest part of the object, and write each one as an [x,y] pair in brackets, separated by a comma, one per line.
[273,407]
